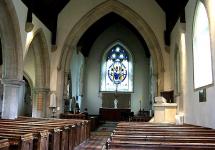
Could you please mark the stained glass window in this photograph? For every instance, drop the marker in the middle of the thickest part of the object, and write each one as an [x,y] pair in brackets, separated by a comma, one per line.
[117,71]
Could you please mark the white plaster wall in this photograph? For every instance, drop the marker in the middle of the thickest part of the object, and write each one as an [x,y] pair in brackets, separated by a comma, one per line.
[198,113]
[152,13]
[141,69]
[70,15]
[176,43]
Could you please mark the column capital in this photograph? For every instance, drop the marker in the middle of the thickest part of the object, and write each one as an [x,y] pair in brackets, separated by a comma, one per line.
[41,89]
[13,82]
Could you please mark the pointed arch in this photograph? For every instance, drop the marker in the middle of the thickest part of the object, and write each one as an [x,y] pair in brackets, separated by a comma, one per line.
[132,17]
[39,49]
[28,78]
[11,41]
[42,62]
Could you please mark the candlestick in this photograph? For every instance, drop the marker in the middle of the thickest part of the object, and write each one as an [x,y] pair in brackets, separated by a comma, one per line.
[140,104]
[52,104]
[52,100]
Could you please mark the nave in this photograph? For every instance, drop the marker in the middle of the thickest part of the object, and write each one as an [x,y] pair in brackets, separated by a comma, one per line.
[109,59]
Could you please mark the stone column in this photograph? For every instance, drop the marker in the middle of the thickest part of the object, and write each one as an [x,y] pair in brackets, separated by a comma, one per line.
[40,99]
[12,96]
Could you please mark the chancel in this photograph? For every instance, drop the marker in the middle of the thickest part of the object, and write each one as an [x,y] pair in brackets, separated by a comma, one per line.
[124,72]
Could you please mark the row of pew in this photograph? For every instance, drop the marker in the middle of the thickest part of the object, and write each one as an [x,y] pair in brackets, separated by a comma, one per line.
[25,133]
[154,136]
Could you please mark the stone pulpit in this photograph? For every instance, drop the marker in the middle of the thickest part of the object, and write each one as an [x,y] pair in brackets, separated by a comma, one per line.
[164,112]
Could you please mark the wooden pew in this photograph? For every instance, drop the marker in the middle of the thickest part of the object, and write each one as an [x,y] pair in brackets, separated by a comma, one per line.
[18,140]
[79,129]
[54,129]
[160,146]
[4,144]
[169,138]
[40,137]
[54,136]
[85,123]
[161,136]
[64,133]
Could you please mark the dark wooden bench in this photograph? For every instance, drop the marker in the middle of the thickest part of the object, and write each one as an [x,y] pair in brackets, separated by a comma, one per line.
[54,136]
[78,130]
[40,137]
[130,135]
[19,140]
[63,134]
[4,144]
[159,146]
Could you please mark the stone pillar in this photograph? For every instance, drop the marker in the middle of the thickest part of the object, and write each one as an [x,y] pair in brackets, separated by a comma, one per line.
[12,96]
[40,99]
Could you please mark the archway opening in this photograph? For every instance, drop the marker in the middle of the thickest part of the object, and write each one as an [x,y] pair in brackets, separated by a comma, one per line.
[36,66]
[27,98]
[72,43]
[91,47]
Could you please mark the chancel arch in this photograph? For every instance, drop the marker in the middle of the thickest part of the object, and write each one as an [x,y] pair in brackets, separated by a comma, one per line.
[36,65]
[97,13]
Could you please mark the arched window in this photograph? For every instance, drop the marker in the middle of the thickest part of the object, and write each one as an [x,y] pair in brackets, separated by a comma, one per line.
[117,69]
[201,48]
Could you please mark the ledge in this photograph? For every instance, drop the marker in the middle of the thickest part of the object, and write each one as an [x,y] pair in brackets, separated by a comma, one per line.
[165,105]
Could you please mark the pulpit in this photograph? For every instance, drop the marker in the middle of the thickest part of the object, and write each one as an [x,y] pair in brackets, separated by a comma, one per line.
[165,112]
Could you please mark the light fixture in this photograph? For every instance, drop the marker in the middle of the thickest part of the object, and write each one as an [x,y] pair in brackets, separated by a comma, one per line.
[29,25]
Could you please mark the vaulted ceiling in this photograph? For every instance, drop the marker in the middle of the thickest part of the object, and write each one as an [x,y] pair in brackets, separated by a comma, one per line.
[47,11]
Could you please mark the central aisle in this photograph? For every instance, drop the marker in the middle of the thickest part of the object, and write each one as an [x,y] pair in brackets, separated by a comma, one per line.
[99,137]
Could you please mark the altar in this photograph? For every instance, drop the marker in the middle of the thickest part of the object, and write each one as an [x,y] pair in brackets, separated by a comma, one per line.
[114,114]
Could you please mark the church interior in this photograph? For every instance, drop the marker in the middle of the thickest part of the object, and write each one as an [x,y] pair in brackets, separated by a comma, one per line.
[145,68]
